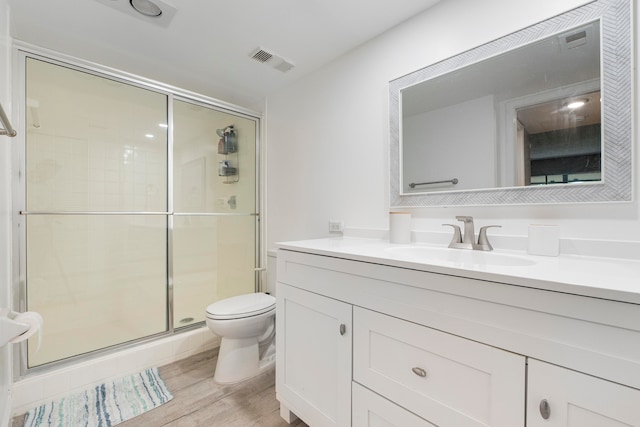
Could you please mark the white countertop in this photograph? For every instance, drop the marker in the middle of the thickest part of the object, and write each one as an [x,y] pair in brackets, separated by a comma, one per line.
[608,278]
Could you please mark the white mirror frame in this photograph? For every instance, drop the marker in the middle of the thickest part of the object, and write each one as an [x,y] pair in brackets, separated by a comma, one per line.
[616,83]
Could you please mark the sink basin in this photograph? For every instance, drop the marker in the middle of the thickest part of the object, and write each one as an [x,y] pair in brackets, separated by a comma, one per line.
[458,257]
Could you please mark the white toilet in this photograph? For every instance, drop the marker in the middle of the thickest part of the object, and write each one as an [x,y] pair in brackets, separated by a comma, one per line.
[246,326]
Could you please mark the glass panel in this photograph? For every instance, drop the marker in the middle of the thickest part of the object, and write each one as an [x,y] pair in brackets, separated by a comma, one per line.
[93,144]
[213,258]
[208,177]
[214,172]
[98,280]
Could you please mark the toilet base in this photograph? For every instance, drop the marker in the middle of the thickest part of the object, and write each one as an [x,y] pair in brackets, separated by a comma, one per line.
[239,360]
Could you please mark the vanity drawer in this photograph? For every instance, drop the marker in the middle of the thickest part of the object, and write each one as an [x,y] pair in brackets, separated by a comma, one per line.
[371,410]
[445,379]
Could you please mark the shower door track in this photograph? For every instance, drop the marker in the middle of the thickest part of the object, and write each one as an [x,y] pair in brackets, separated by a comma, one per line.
[139,213]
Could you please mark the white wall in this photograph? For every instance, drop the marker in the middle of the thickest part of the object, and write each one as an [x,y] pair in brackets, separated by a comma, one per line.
[452,142]
[328,134]
[5,204]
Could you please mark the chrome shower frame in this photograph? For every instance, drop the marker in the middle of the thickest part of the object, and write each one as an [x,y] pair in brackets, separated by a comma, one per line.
[23,51]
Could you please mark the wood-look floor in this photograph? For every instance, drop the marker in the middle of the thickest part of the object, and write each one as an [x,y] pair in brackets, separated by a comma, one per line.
[198,401]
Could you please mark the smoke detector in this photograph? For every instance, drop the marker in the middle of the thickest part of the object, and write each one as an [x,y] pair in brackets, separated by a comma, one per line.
[275,61]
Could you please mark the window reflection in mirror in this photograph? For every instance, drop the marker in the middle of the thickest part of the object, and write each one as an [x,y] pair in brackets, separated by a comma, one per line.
[560,140]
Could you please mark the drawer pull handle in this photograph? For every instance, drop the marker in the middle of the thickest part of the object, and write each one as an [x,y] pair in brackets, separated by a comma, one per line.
[545,409]
[419,372]
[343,329]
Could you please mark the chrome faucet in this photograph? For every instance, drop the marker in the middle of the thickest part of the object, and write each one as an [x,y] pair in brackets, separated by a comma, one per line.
[467,240]
[469,236]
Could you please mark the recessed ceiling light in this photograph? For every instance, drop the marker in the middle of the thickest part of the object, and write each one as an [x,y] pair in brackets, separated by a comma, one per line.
[146,7]
[156,12]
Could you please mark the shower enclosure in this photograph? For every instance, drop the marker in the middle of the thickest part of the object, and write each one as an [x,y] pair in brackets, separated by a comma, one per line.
[128,228]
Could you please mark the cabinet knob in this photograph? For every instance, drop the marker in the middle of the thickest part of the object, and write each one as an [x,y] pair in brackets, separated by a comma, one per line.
[419,372]
[545,409]
[343,329]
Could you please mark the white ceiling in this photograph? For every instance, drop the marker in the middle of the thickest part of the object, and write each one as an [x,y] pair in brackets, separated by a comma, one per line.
[207,45]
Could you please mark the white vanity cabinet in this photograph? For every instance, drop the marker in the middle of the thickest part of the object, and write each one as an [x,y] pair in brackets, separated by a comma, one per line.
[420,348]
[314,357]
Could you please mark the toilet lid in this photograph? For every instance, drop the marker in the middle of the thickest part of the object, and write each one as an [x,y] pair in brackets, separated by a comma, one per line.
[241,306]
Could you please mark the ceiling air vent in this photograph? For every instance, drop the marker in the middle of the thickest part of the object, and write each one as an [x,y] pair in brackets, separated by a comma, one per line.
[262,55]
[575,39]
[270,58]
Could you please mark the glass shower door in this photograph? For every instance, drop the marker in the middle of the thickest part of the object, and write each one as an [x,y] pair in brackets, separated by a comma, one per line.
[96,210]
[214,224]
[129,231]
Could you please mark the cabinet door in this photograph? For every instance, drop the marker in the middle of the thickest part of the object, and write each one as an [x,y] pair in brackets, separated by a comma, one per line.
[313,367]
[373,410]
[559,397]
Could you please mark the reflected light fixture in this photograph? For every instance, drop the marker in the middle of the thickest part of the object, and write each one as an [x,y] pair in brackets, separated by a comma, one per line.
[577,103]
[146,7]
[149,135]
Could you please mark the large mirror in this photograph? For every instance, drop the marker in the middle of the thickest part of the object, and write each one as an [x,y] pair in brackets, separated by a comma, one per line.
[539,116]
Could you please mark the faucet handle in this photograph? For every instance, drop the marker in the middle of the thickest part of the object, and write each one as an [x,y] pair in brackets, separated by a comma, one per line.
[457,235]
[464,218]
[483,241]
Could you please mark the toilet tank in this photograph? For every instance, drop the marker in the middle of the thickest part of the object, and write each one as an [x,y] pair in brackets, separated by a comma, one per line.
[271,271]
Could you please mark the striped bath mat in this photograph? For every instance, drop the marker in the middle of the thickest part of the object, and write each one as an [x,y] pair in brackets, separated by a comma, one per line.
[105,405]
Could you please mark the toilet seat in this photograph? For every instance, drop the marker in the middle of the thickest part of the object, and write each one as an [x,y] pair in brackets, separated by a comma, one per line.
[241,306]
